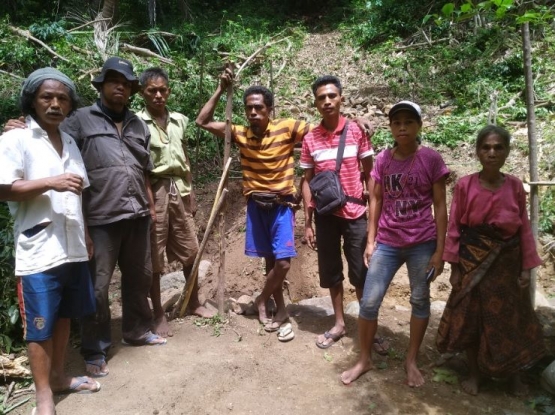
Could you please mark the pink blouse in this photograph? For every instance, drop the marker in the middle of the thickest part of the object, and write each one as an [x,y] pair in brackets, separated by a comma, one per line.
[505,208]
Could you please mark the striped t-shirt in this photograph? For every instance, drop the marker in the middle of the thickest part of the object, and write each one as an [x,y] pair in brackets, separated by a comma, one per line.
[267,162]
[319,152]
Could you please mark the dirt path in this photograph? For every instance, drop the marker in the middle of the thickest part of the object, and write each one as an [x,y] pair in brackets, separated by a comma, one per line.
[247,371]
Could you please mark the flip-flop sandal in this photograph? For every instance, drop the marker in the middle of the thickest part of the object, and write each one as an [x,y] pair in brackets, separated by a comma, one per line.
[381,346]
[74,387]
[150,339]
[286,333]
[333,337]
[275,325]
[98,363]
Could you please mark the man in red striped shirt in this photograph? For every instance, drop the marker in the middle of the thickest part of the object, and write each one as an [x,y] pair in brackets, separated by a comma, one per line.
[319,153]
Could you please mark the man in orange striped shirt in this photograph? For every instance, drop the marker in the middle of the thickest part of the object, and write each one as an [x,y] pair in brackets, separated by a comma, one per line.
[266,148]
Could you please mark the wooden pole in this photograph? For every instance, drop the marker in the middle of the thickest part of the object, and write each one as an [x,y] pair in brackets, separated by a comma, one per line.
[201,101]
[532,144]
[272,87]
[183,300]
[227,151]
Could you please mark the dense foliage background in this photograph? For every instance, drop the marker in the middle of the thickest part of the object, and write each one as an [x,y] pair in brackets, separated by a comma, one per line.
[465,54]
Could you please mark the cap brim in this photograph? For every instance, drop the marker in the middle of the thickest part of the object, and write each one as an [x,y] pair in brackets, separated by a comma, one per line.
[99,80]
[403,107]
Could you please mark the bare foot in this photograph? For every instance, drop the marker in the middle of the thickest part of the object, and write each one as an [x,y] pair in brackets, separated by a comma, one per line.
[414,376]
[359,369]
[262,314]
[471,385]
[202,311]
[97,368]
[45,404]
[280,318]
[517,388]
[334,334]
[161,326]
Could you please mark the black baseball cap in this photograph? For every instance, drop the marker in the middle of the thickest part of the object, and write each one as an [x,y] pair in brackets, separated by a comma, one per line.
[121,66]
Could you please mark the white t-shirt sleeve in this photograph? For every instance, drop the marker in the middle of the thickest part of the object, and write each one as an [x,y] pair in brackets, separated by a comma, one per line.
[11,158]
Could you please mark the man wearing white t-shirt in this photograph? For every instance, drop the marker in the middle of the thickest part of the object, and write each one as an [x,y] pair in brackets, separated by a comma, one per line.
[42,177]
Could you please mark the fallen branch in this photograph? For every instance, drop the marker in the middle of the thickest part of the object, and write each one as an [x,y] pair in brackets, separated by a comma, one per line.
[81,50]
[415,45]
[256,52]
[11,408]
[511,102]
[89,23]
[146,52]
[145,35]
[19,78]
[26,34]
[8,393]
[228,54]
[89,73]
[14,368]
[282,66]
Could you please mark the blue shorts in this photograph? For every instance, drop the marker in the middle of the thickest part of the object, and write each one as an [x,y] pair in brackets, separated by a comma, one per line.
[270,233]
[384,263]
[65,291]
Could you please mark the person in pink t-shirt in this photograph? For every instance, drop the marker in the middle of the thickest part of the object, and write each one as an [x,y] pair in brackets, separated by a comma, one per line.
[407,181]
[491,250]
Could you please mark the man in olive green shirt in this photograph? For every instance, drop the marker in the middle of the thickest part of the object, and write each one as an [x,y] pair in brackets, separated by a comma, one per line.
[174,231]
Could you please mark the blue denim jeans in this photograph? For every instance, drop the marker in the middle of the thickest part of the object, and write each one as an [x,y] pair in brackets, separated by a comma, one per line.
[384,263]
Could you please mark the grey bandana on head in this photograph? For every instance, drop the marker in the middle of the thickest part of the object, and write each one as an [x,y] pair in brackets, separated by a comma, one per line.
[35,80]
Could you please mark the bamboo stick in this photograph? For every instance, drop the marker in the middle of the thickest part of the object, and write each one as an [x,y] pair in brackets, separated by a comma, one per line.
[187,290]
[227,151]
[183,300]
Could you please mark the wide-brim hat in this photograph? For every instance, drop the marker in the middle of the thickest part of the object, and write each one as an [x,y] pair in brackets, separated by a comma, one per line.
[406,106]
[121,66]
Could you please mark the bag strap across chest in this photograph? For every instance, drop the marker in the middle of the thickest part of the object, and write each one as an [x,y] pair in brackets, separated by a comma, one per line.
[339,160]
[341,148]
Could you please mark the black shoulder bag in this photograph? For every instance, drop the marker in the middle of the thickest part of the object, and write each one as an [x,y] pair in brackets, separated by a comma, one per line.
[326,188]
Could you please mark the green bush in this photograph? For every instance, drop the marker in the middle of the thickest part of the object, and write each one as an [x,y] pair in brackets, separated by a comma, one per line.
[451,131]
[375,21]
[11,335]
[547,211]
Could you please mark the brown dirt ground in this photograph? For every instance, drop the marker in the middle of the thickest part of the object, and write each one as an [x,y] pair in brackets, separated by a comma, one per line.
[238,368]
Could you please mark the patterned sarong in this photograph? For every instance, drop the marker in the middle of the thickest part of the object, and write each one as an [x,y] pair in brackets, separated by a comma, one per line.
[487,309]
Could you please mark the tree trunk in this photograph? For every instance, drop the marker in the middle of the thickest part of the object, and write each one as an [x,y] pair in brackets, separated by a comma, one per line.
[102,26]
[532,144]
[109,9]
[152,12]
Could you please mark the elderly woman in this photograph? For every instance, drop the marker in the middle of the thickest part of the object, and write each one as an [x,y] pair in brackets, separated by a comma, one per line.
[491,250]
[42,177]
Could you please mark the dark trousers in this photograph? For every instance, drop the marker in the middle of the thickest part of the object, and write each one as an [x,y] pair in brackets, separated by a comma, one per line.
[127,243]
[329,231]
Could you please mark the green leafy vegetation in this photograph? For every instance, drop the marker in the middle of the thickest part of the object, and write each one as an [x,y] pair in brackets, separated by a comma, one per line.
[451,131]
[547,211]
[217,323]
[10,321]
[446,376]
